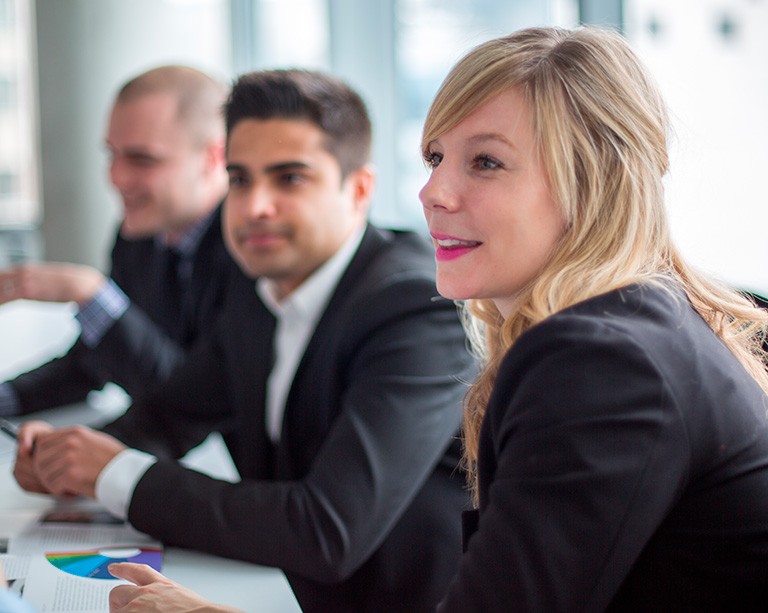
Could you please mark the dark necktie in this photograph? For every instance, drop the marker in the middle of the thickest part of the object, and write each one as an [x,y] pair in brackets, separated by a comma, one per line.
[175,287]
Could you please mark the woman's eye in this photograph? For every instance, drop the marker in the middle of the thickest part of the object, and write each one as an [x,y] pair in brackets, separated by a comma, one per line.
[486,162]
[432,159]
[236,180]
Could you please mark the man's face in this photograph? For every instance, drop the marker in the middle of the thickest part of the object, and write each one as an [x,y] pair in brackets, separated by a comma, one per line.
[155,166]
[288,210]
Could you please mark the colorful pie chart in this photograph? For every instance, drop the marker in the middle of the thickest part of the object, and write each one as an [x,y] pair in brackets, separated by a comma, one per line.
[93,563]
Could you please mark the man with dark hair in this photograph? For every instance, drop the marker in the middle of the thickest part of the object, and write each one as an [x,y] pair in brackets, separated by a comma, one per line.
[337,383]
[169,264]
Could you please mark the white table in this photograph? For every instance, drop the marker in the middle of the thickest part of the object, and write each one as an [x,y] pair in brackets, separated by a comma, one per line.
[30,332]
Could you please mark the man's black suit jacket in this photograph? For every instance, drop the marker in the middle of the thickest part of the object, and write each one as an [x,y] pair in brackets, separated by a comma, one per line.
[143,346]
[360,501]
[623,466]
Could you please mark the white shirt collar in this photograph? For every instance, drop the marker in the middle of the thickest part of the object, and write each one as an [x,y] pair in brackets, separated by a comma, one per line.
[297,316]
[310,298]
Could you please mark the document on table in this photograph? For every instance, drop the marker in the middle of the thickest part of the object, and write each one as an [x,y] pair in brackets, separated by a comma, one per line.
[59,565]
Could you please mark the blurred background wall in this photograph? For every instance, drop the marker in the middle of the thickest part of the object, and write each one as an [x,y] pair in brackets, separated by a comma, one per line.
[61,62]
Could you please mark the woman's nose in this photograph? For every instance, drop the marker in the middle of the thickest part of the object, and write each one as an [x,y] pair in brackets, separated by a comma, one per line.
[438,192]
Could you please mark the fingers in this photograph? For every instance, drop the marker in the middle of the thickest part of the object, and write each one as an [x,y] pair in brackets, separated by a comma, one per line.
[140,574]
[154,593]
[28,433]
[68,461]
[20,282]
[121,596]
[8,286]
[27,478]
[50,282]
[23,470]
[132,597]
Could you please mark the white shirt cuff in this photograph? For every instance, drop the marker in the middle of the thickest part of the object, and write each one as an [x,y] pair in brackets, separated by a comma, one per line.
[118,479]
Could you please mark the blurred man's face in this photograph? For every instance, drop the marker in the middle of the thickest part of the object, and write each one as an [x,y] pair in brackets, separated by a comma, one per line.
[288,209]
[156,167]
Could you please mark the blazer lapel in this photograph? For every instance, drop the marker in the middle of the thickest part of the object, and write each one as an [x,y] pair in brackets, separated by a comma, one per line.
[328,325]
[251,329]
[373,240]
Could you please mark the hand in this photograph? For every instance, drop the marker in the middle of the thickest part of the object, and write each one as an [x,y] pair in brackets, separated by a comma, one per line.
[154,593]
[50,282]
[3,582]
[68,461]
[24,470]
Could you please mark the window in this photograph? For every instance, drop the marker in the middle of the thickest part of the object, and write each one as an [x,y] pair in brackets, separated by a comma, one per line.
[279,34]
[7,94]
[395,53]
[19,190]
[708,57]
[6,14]
[431,35]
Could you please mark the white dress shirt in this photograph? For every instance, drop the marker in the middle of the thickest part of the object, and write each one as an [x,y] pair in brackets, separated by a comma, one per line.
[297,316]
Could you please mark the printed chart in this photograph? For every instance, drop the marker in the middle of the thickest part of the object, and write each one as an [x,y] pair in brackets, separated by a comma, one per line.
[93,564]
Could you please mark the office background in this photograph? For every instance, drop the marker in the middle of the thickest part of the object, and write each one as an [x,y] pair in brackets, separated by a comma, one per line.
[61,62]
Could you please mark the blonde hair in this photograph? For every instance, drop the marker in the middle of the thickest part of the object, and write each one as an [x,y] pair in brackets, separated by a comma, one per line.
[600,126]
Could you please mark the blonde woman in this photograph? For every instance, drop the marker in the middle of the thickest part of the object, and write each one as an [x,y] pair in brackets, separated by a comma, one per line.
[617,436]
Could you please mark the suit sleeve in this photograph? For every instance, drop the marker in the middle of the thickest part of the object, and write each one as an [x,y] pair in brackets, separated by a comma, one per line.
[63,380]
[589,454]
[399,411]
[173,418]
[134,353]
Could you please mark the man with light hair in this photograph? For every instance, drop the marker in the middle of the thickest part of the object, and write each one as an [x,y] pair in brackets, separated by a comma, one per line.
[165,138]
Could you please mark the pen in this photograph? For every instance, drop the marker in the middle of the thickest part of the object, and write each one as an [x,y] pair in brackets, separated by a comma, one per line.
[10,429]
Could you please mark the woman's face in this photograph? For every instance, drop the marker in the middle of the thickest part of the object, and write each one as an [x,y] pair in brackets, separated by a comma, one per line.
[488,204]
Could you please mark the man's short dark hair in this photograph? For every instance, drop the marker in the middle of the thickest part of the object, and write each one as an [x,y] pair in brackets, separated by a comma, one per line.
[330,104]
